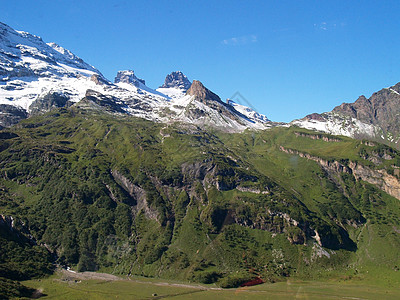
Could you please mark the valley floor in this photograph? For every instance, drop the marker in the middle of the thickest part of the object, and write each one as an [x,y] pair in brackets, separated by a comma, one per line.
[87,285]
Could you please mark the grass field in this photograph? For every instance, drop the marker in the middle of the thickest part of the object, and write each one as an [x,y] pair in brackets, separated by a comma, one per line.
[61,287]
[128,196]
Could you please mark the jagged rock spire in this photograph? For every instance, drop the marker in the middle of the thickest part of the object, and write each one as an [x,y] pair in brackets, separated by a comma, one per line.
[176,80]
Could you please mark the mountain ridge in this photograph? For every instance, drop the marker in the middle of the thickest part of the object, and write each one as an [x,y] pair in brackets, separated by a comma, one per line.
[37,77]
[376,118]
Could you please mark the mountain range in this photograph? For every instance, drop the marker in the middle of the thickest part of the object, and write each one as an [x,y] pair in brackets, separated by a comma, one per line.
[36,76]
[173,182]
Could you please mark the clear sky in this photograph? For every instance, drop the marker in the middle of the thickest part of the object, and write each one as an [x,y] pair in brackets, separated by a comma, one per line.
[287,58]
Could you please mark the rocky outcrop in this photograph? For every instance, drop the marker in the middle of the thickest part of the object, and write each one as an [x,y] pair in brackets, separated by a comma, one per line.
[196,171]
[315,116]
[46,102]
[17,228]
[317,137]
[176,80]
[333,165]
[225,112]
[251,190]
[11,115]
[380,177]
[377,118]
[137,193]
[107,102]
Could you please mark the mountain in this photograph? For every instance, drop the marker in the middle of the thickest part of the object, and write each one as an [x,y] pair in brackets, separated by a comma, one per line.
[31,69]
[376,118]
[176,80]
[175,85]
[36,77]
[178,184]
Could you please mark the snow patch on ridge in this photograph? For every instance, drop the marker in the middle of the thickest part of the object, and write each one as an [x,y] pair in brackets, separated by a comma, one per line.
[337,124]
[248,112]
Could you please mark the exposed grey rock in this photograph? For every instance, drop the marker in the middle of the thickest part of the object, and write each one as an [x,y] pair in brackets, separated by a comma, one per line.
[137,193]
[380,177]
[379,115]
[109,103]
[315,116]
[49,101]
[382,109]
[14,85]
[10,115]
[176,80]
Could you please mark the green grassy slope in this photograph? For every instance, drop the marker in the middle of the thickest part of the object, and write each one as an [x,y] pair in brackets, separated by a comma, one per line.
[129,196]
[142,288]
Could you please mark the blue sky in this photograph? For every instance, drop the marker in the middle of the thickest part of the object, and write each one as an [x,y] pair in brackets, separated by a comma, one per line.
[287,58]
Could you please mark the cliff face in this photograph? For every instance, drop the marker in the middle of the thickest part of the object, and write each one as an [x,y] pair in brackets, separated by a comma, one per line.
[386,182]
[380,178]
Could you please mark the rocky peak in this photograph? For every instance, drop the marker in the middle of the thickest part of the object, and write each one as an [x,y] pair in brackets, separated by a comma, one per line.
[380,109]
[201,93]
[128,76]
[176,80]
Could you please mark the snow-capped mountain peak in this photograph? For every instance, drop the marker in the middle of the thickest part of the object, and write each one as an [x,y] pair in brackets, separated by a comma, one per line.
[29,68]
[127,79]
[21,50]
[36,77]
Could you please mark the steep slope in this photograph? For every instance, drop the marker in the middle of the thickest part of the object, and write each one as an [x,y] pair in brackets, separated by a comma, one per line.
[248,112]
[376,118]
[177,201]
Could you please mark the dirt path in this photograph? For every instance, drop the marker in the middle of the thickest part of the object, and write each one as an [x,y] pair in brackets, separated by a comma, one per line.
[69,274]
[72,275]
